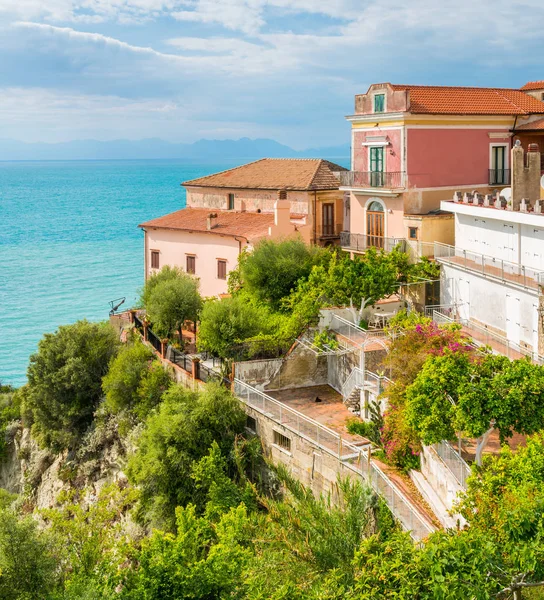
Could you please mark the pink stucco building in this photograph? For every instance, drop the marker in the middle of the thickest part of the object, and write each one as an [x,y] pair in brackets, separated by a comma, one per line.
[230,211]
[413,146]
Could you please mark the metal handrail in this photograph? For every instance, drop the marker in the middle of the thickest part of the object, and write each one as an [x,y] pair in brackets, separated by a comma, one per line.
[454,461]
[511,348]
[361,241]
[488,266]
[354,458]
[372,179]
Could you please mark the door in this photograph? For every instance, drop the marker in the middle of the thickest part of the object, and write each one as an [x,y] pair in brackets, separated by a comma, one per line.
[463,299]
[513,324]
[535,328]
[510,253]
[328,219]
[376,166]
[375,225]
[498,175]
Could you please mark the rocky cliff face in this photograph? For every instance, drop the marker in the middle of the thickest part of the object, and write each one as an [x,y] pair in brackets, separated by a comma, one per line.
[39,475]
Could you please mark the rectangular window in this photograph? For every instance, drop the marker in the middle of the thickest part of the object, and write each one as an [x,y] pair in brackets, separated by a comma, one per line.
[251,424]
[155,259]
[221,269]
[231,201]
[412,233]
[328,219]
[498,174]
[376,166]
[379,103]
[282,441]
[191,264]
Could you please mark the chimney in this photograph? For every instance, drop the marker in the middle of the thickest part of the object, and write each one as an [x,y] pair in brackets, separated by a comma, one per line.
[282,212]
[525,174]
[210,221]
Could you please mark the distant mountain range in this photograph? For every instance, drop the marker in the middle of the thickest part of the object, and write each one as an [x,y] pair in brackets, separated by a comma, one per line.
[156,148]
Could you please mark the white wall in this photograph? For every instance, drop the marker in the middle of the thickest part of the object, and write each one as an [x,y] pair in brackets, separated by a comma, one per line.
[492,302]
[207,247]
[503,240]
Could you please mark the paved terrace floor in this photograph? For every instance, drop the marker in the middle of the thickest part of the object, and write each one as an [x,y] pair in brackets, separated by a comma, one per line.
[491,271]
[332,412]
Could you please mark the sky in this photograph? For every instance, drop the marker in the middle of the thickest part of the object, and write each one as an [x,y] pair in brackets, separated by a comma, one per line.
[182,70]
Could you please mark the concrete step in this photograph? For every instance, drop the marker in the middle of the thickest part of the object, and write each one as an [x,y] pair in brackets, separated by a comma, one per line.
[432,499]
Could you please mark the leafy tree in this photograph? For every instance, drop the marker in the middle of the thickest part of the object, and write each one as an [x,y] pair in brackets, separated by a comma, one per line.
[181,432]
[64,381]
[453,393]
[228,322]
[167,273]
[172,301]
[135,380]
[272,270]
[28,568]
[202,560]
[10,411]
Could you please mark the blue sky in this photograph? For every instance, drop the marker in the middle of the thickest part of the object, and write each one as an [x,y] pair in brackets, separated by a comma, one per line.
[285,69]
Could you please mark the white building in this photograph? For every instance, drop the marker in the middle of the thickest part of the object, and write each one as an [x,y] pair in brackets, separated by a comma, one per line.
[491,279]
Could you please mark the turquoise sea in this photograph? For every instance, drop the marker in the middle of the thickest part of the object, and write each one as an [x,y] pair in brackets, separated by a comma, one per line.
[70,243]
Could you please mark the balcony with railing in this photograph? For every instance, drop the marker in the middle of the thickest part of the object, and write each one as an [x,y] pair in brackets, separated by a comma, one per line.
[359,242]
[499,176]
[330,231]
[371,179]
[488,266]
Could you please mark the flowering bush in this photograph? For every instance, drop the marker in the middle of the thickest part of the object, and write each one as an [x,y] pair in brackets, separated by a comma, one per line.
[406,357]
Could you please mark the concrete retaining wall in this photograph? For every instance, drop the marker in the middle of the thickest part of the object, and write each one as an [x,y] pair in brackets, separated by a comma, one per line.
[257,373]
[301,368]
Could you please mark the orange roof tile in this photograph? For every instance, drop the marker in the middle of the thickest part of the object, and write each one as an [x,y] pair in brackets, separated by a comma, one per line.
[251,226]
[533,85]
[431,99]
[532,126]
[275,174]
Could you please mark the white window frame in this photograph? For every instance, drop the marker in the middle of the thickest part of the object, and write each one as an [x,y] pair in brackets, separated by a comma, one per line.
[506,155]
[367,204]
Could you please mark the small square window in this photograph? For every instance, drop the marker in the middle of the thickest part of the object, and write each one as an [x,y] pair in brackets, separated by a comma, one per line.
[542,96]
[412,233]
[191,264]
[231,201]
[251,424]
[221,269]
[155,259]
[282,441]
[379,103]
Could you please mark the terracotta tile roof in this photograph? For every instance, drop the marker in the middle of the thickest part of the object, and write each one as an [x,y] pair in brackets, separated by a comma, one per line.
[533,126]
[470,100]
[275,174]
[251,226]
[533,85]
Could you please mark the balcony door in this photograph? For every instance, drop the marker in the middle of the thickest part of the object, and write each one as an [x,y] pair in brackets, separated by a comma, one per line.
[499,174]
[376,166]
[328,219]
[375,222]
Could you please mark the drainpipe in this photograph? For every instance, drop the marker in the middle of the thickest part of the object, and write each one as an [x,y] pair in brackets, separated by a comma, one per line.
[513,130]
[145,255]
[315,217]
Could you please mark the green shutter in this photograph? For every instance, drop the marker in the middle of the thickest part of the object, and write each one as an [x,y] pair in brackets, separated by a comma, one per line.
[379,103]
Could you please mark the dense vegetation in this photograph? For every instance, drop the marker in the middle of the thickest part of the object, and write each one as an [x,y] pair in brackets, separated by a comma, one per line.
[202,515]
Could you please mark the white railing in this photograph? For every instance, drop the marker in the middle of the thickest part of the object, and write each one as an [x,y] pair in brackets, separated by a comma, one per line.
[488,266]
[355,334]
[356,459]
[354,381]
[454,461]
[481,336]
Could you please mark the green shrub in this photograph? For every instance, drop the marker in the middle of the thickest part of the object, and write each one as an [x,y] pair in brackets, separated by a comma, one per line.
[64,381]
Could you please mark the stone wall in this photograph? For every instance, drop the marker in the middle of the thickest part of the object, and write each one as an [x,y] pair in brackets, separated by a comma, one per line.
[257,373]
[525,176]
[300,369]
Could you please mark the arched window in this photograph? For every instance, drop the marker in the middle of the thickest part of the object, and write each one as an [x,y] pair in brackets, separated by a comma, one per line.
[375,224]
[375,206]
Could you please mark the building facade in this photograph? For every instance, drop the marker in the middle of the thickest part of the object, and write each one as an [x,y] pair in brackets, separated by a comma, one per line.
[230,211]
[413,146]
[492,278]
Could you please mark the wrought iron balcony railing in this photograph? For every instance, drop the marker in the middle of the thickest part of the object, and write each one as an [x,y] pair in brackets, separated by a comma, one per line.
[360,242]
[371,179]
[499,176]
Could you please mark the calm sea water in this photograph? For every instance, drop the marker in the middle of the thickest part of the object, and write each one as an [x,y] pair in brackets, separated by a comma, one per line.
[69,242]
